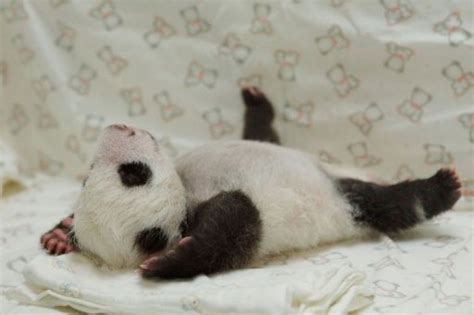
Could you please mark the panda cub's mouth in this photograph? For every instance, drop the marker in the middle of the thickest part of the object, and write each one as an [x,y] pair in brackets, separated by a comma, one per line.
[134,173]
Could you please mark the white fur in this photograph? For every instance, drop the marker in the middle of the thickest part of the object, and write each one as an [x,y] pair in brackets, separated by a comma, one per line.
[297,200]
[419,210]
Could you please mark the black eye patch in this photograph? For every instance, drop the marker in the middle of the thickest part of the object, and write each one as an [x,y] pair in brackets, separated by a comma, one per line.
[134,174]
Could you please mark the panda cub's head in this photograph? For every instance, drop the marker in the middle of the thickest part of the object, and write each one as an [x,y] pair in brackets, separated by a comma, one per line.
[131,155]
[132,187]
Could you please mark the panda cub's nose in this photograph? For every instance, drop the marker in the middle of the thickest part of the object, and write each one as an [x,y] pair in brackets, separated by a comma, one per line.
[120,127]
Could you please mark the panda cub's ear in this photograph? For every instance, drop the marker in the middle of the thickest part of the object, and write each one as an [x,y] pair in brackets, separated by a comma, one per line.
[134,173]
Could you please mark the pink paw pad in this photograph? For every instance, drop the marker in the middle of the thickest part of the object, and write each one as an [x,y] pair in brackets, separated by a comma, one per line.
[154,261]
[56,241]
[253,96]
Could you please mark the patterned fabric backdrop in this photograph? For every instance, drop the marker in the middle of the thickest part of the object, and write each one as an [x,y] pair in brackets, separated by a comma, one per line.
[384,85]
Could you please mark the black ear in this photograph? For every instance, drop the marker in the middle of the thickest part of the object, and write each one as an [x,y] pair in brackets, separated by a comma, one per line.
[134,173]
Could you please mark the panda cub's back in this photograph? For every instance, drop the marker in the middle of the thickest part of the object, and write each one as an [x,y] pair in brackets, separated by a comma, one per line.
[293,195]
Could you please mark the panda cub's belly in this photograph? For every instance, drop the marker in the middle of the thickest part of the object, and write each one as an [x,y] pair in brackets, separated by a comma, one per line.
[297,201]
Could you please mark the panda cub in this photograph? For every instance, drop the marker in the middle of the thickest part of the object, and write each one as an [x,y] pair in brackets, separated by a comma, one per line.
[225,204]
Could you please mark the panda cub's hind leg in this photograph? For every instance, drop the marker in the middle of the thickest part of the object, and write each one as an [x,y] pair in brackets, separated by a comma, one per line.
[222,233]
[259,115]
[392,208]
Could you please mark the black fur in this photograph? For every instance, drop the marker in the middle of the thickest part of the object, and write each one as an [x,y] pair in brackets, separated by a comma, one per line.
[225,231]
[151,240]
[259,114]
[72,238]
[392,208]
[134,173]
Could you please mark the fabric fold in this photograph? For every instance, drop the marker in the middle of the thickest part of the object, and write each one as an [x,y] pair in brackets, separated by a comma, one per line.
[297,287]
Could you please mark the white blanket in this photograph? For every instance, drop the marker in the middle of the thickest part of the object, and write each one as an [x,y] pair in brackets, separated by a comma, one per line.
[296,287]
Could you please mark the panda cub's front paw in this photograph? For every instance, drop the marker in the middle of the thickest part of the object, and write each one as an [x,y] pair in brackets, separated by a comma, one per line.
[57,241]
[176,263]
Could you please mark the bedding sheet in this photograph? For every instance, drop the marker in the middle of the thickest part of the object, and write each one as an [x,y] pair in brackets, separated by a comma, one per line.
[386,85]
[426,270]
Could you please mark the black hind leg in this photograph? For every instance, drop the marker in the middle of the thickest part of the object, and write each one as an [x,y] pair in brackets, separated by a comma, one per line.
[259,114]
[396,207]
[221,234]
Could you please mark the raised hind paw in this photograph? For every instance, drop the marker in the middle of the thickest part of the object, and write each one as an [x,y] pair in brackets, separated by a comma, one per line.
[252,96]
[259,115]
[57,241]
[447,185]
[392,208]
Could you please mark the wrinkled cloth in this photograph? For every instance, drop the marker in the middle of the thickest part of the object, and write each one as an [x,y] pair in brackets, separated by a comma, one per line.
[11,179]
[293,288]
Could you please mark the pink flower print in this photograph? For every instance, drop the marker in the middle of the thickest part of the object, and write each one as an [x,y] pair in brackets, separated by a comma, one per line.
[467,121]
[364,120]
[160,30]
[334,39]
[134,99]
[25,53]
[114,63]
[66,38]
[287,60]
[398,57]
[198,75]
[301,114]
[343,83]
[43,87]
[397,11]
[106,13]
[413,108]
[361,156]
[437,154]
[452,27]
[168,109]
[14,11]
[195,24]
[232,46]
[81,81]
[260,23]
[461,81]
[217,125]
[18,119]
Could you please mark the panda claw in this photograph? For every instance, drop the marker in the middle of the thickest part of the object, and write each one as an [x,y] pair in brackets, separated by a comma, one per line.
[60,247]
[148,263]
[184,241]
